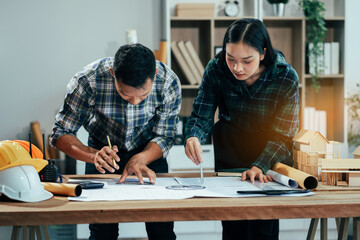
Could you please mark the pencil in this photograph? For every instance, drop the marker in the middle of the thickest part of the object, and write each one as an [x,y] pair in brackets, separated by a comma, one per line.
[108,139]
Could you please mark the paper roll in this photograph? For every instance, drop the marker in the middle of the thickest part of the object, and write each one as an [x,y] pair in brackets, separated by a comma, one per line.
[72,190]
[304,180]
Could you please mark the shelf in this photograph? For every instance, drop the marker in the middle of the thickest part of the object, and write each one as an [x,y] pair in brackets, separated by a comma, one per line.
[334,18]
[184,86]
[288,34]
[273,18]
[224,18]
[340,76]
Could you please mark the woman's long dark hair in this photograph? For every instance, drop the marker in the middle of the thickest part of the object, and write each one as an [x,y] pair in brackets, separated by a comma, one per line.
[251,32]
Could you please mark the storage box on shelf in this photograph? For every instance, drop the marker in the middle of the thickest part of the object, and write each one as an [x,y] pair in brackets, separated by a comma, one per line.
[195,9]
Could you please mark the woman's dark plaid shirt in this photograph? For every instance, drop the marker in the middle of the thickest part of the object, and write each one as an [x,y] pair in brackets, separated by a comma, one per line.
[270,104]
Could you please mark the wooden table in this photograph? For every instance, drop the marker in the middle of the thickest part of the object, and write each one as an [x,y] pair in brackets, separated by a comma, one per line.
[329,203]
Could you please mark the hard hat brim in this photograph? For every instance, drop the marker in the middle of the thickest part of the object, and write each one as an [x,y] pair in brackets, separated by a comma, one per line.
[38,164]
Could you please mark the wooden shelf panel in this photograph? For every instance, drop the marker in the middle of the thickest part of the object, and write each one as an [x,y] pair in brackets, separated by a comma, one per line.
[219,31]
[188,97]
[289,37]
[186,86]
[223,18]
[340,76]
[330,98]
[282,19]
[199,33]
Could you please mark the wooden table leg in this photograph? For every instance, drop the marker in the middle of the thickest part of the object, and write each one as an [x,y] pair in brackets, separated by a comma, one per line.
[337,221]
[25,233]
[356,228]
[323,228]
[343,228]
[38,232]
[46,232]
[312,229]
[15,233]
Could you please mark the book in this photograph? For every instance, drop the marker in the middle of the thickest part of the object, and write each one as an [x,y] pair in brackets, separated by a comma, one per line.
[195,57]
[322,122]
[189,61]
[327,58]
[320,59]
[312,59]
[182,63]
[309,118]
[335,56]
[315,120]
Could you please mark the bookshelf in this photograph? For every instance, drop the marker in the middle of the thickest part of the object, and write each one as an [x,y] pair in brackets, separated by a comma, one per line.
[288,34]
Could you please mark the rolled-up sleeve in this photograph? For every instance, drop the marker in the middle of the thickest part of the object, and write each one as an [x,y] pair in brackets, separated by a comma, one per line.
[202,117]
[284,127]
[74,111]
[168,115]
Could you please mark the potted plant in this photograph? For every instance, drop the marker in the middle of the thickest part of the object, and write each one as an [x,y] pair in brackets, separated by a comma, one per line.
[278,7]
[315,33]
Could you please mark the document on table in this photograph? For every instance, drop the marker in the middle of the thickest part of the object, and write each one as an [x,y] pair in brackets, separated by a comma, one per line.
[224,187]
[285,180]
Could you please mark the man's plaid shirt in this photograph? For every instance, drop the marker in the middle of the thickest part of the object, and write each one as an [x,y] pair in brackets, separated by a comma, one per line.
[270,104]
[92,101]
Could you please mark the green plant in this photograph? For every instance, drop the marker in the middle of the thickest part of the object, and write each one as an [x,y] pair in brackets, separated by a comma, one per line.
[315,33]
[278,1]
[353,102]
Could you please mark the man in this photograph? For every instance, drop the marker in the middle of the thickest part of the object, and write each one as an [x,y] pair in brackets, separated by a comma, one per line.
[134,100]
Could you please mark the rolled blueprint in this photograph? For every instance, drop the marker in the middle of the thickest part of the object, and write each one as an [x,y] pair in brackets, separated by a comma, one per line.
[72,190]
[304,180]
[284,180]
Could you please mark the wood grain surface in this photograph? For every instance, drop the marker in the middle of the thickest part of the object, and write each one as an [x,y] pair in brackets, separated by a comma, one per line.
[58,210]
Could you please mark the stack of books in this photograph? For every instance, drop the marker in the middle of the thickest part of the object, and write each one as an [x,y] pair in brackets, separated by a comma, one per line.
[327,61]
[315,120]
[188,60]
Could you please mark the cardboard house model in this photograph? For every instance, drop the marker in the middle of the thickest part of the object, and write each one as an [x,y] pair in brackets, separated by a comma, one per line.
[311,145]
[332,169]
[356,153]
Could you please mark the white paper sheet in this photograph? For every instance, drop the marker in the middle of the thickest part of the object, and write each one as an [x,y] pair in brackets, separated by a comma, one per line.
[215,187]
[282,179]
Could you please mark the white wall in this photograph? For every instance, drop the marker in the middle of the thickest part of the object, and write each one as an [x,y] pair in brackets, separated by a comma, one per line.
[352,50]
[43,43]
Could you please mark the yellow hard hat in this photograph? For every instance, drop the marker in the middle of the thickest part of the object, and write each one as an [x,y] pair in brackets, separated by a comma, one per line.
[13,154]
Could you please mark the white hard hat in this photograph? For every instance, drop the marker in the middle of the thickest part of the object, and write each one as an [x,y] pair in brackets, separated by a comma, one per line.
[22,183]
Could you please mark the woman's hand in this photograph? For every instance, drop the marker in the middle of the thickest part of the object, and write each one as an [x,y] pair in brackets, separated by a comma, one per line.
[104,159]
[193,150]
[254,173]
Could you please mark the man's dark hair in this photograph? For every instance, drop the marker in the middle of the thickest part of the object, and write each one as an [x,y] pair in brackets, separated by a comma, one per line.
[134,64]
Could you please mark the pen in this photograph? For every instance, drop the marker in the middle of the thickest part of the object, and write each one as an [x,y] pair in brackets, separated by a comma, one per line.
[201,174]
[108,139]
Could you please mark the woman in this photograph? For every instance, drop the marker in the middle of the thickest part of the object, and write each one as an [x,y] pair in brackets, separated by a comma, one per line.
[257,94]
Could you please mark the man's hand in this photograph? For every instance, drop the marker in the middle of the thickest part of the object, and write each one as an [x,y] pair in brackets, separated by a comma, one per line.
[254,173]
[136,165]
[193,150]
[104,159]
